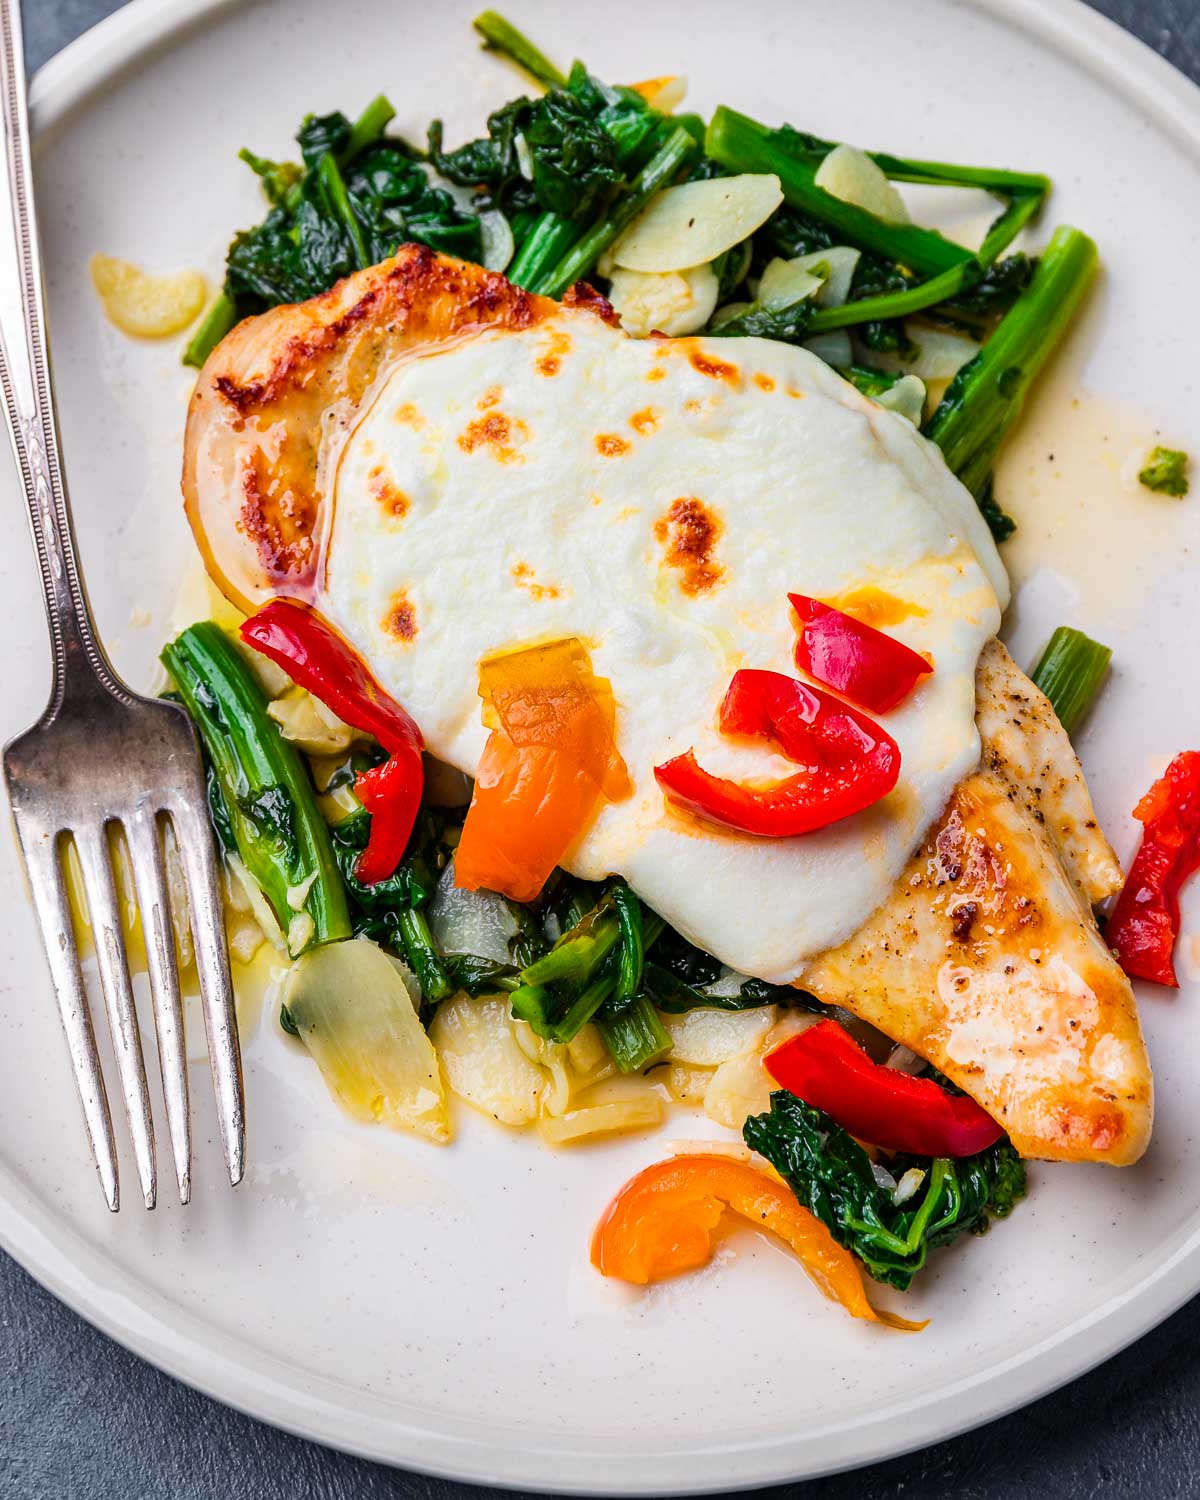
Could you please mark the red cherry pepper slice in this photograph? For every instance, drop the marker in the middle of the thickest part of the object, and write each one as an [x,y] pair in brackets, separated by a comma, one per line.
[868,667]
[1144,923]
[316,657]
[827,1068]
[848,761]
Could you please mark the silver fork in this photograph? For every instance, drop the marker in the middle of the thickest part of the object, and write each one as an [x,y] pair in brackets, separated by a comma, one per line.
[102,758]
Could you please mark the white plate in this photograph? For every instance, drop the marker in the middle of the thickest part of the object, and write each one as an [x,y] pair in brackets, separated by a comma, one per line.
[434,1307]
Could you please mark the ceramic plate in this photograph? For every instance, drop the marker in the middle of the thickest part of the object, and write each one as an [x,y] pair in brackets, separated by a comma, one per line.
[435,1308]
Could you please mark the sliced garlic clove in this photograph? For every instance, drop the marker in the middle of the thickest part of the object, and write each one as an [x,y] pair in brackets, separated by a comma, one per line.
[148,307]
[695,222]
[850,174]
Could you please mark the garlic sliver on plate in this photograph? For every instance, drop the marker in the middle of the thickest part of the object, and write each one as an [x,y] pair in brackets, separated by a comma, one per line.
[695,222]
[850,174]
[672,302]
[352,1009]
[148,307]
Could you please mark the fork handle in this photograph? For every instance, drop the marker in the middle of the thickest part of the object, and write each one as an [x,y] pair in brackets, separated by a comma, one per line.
[79,663]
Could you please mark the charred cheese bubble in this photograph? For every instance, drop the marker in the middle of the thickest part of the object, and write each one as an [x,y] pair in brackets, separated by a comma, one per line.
[659,499]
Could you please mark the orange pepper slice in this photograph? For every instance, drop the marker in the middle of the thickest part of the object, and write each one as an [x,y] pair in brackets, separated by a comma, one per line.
[550,760]
[662,1222]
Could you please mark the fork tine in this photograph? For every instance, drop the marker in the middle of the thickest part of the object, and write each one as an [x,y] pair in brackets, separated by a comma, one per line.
[54,917]
[195,841]
[92,848]
[149,874]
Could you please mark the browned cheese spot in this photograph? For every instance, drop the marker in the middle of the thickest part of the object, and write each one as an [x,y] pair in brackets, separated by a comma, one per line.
[393,501]
[715,369]
[646,421]
[690,531]
[550,363]
[408,416]
[764,382]
[524,578]
[401,618]
[489,399]
[655,373]
[494,432]
[610,445]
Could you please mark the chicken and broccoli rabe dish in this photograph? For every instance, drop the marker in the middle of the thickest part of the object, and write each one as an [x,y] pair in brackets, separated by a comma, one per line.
[605,708]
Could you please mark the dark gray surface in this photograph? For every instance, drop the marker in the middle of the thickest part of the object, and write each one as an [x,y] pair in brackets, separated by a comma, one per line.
[81,1419]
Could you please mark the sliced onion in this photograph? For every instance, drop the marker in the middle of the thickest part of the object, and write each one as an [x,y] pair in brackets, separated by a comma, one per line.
[730,311]
[850,174]
[498,242]
[484,1061]
[833,347]
[941,352]
[695,222]
[841,262]
[728,983]
[478,922]
[357,1019]
[259,906]
[602,1119]
[705,1038]
[785,282]
[906,398]
[494,228]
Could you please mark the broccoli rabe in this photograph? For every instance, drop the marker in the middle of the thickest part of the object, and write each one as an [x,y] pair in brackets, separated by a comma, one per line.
[1165,472]
[355,199]
[834,1178]
[550,154]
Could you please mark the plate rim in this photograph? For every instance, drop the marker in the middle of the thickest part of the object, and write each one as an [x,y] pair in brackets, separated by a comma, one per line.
[56,1256]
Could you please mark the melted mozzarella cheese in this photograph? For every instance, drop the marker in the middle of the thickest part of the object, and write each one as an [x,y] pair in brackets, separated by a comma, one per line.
[659,499]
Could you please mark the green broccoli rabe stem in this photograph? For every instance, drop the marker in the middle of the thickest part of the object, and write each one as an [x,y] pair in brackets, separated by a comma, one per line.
[634,1035]
[215,324]
[899,304]
[743,145]
[1022,208]
[999,180]
[1070,673]
[986,396]
[417,940]
[578,953]
[676,150]
[547,242]
[950,174]
[369,126]
[585,1007]
[502,36]
[280,835]
[339,201]
[633,944]
[535,1003]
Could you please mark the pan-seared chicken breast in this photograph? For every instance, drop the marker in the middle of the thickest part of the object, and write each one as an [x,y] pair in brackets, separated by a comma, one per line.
[986,959]
[447,467]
